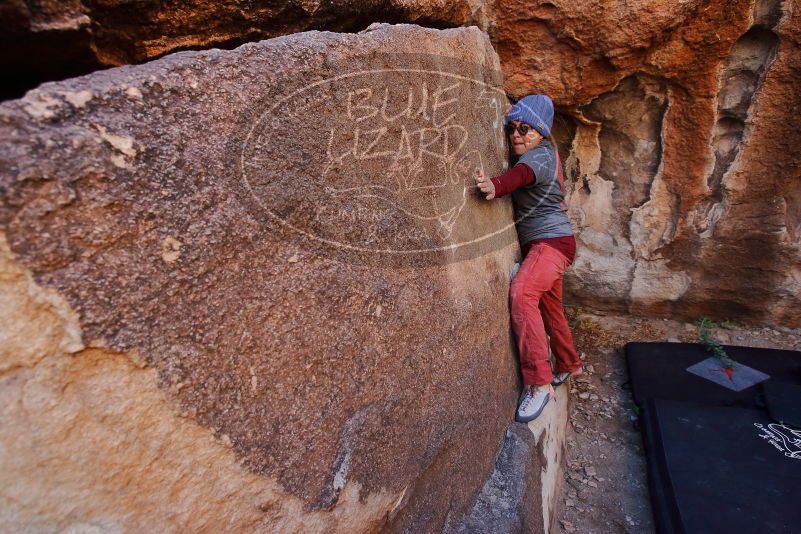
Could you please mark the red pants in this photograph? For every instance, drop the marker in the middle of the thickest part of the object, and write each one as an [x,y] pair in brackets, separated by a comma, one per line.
[536,299]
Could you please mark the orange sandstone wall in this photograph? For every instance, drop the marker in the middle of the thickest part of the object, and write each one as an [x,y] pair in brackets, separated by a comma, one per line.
[678,121]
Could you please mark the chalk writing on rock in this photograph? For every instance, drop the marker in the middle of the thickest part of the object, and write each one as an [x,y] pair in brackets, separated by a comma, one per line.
[377,160]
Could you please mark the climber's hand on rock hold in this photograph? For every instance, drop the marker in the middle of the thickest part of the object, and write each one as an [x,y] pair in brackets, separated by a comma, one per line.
[484,184]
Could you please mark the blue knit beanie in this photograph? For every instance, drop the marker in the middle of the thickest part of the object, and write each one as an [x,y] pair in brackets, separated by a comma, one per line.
[534,110]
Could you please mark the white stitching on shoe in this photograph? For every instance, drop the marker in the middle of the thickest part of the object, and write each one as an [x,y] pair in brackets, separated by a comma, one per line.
[529,398]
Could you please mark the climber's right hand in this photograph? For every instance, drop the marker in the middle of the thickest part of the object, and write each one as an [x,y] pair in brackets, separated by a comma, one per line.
[484,184]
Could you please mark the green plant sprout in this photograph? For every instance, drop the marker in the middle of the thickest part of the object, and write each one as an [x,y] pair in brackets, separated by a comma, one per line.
[704,324]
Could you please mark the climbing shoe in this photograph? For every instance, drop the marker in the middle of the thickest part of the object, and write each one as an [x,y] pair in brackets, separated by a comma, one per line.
[532,402]
[561,378]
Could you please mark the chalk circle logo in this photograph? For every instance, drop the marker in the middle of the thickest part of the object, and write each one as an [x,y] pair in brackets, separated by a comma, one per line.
[785,439]
[380,160]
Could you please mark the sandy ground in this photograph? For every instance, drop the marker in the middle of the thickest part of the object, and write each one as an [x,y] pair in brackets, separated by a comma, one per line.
[605,487]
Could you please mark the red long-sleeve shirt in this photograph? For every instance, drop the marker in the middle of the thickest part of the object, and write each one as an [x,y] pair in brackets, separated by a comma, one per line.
[518,176]
[521,175]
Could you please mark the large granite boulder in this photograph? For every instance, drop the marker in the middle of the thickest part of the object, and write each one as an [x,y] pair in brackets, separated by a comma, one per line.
[254,290]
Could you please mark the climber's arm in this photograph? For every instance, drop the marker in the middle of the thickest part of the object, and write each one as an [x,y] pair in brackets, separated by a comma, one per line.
[518,176]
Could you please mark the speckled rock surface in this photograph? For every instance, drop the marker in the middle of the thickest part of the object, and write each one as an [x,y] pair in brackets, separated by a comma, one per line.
[522,494]
[196,316]
[676,126]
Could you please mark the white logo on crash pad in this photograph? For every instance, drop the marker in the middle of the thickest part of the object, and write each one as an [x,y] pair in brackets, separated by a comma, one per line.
[783,438]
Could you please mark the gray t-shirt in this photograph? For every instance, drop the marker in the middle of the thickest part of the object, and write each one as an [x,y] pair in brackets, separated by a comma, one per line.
[540,210]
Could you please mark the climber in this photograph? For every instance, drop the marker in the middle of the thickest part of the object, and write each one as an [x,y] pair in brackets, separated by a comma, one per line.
[548,247]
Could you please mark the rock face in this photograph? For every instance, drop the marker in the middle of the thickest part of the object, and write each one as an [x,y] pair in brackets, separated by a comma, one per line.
[253,290]
[47,39]
[675,123]
[256,279]
[522,493]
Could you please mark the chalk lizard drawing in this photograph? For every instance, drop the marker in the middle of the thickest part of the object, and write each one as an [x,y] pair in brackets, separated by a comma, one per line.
[401,142]
[404,164]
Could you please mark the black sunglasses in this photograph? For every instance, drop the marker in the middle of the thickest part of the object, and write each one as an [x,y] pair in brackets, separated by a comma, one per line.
[522,128]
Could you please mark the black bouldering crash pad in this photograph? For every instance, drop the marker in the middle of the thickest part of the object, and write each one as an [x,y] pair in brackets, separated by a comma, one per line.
[719,459]
[721,469]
